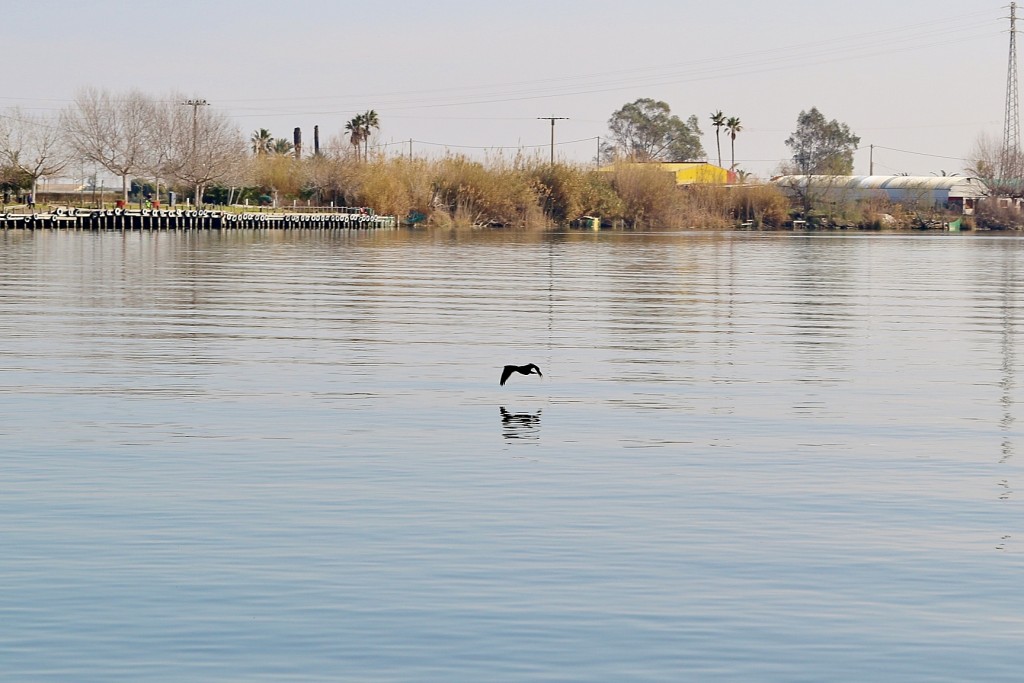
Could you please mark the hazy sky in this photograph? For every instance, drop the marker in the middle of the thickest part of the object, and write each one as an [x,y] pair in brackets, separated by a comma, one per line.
[922,76]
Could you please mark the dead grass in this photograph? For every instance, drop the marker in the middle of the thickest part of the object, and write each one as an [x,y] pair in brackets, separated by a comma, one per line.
[458,192]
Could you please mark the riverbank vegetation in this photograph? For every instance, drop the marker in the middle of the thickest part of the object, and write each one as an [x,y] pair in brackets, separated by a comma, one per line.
[456,191]
[528,193]
[183,146]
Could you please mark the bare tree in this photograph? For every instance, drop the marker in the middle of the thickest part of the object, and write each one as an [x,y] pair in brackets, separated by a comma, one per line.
[110,130]
[207,150]
[321,172]
[32,145]
[168,130]
[1001,171]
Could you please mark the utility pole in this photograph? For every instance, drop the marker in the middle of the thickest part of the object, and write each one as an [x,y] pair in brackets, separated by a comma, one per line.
[195,104]
[1011,118]
[552,119]
[871,161]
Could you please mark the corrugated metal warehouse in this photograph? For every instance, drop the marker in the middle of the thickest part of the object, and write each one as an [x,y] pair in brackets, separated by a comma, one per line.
[952,192]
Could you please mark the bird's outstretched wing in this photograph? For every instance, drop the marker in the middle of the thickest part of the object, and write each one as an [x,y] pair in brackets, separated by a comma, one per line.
[506,373]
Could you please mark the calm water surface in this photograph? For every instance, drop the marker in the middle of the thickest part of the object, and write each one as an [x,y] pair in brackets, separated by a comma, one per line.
[269,456]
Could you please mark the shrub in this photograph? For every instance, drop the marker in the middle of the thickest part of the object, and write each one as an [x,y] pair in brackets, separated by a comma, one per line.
[472,194]
[649,195]
[456,191]
[992,216]
[764,205]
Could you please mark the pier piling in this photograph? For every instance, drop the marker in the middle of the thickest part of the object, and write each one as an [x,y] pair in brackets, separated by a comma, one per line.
[193,219]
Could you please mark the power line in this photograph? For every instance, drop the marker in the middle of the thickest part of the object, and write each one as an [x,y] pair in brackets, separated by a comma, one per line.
[858,46]
[714,73]
[855,44]
[443,144]
[920,154]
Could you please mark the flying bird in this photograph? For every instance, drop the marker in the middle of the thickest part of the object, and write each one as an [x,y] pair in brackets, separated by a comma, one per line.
[521,369]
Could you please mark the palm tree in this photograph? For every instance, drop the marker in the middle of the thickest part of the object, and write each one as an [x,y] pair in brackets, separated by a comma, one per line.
[354,128]
[718,120]
[282,147]
[733,126]
[261,141]
[370,121]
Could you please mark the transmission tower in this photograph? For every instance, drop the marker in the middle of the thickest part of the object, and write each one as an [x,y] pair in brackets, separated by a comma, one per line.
[1011,119]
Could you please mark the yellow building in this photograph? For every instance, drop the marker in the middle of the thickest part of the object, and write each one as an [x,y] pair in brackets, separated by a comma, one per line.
[685,172]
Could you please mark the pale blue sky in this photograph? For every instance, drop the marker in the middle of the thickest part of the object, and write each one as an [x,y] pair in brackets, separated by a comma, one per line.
[926,76]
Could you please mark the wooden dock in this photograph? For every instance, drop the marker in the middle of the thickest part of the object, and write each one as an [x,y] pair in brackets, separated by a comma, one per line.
[201,219]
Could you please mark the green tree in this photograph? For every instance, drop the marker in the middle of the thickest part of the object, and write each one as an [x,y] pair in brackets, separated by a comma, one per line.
[13,180]
[281,147]
[371,122]
[732,127]
[354,128]
[262,141]
[646,130]
[718,121]
[822,147]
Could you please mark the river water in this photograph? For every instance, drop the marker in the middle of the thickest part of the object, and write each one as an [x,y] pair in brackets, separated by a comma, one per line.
[285,456]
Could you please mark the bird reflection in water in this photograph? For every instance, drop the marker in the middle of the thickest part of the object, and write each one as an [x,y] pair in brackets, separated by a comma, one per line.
[520,425]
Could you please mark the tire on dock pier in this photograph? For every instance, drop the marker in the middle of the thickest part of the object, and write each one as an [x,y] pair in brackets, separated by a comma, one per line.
[72,218]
